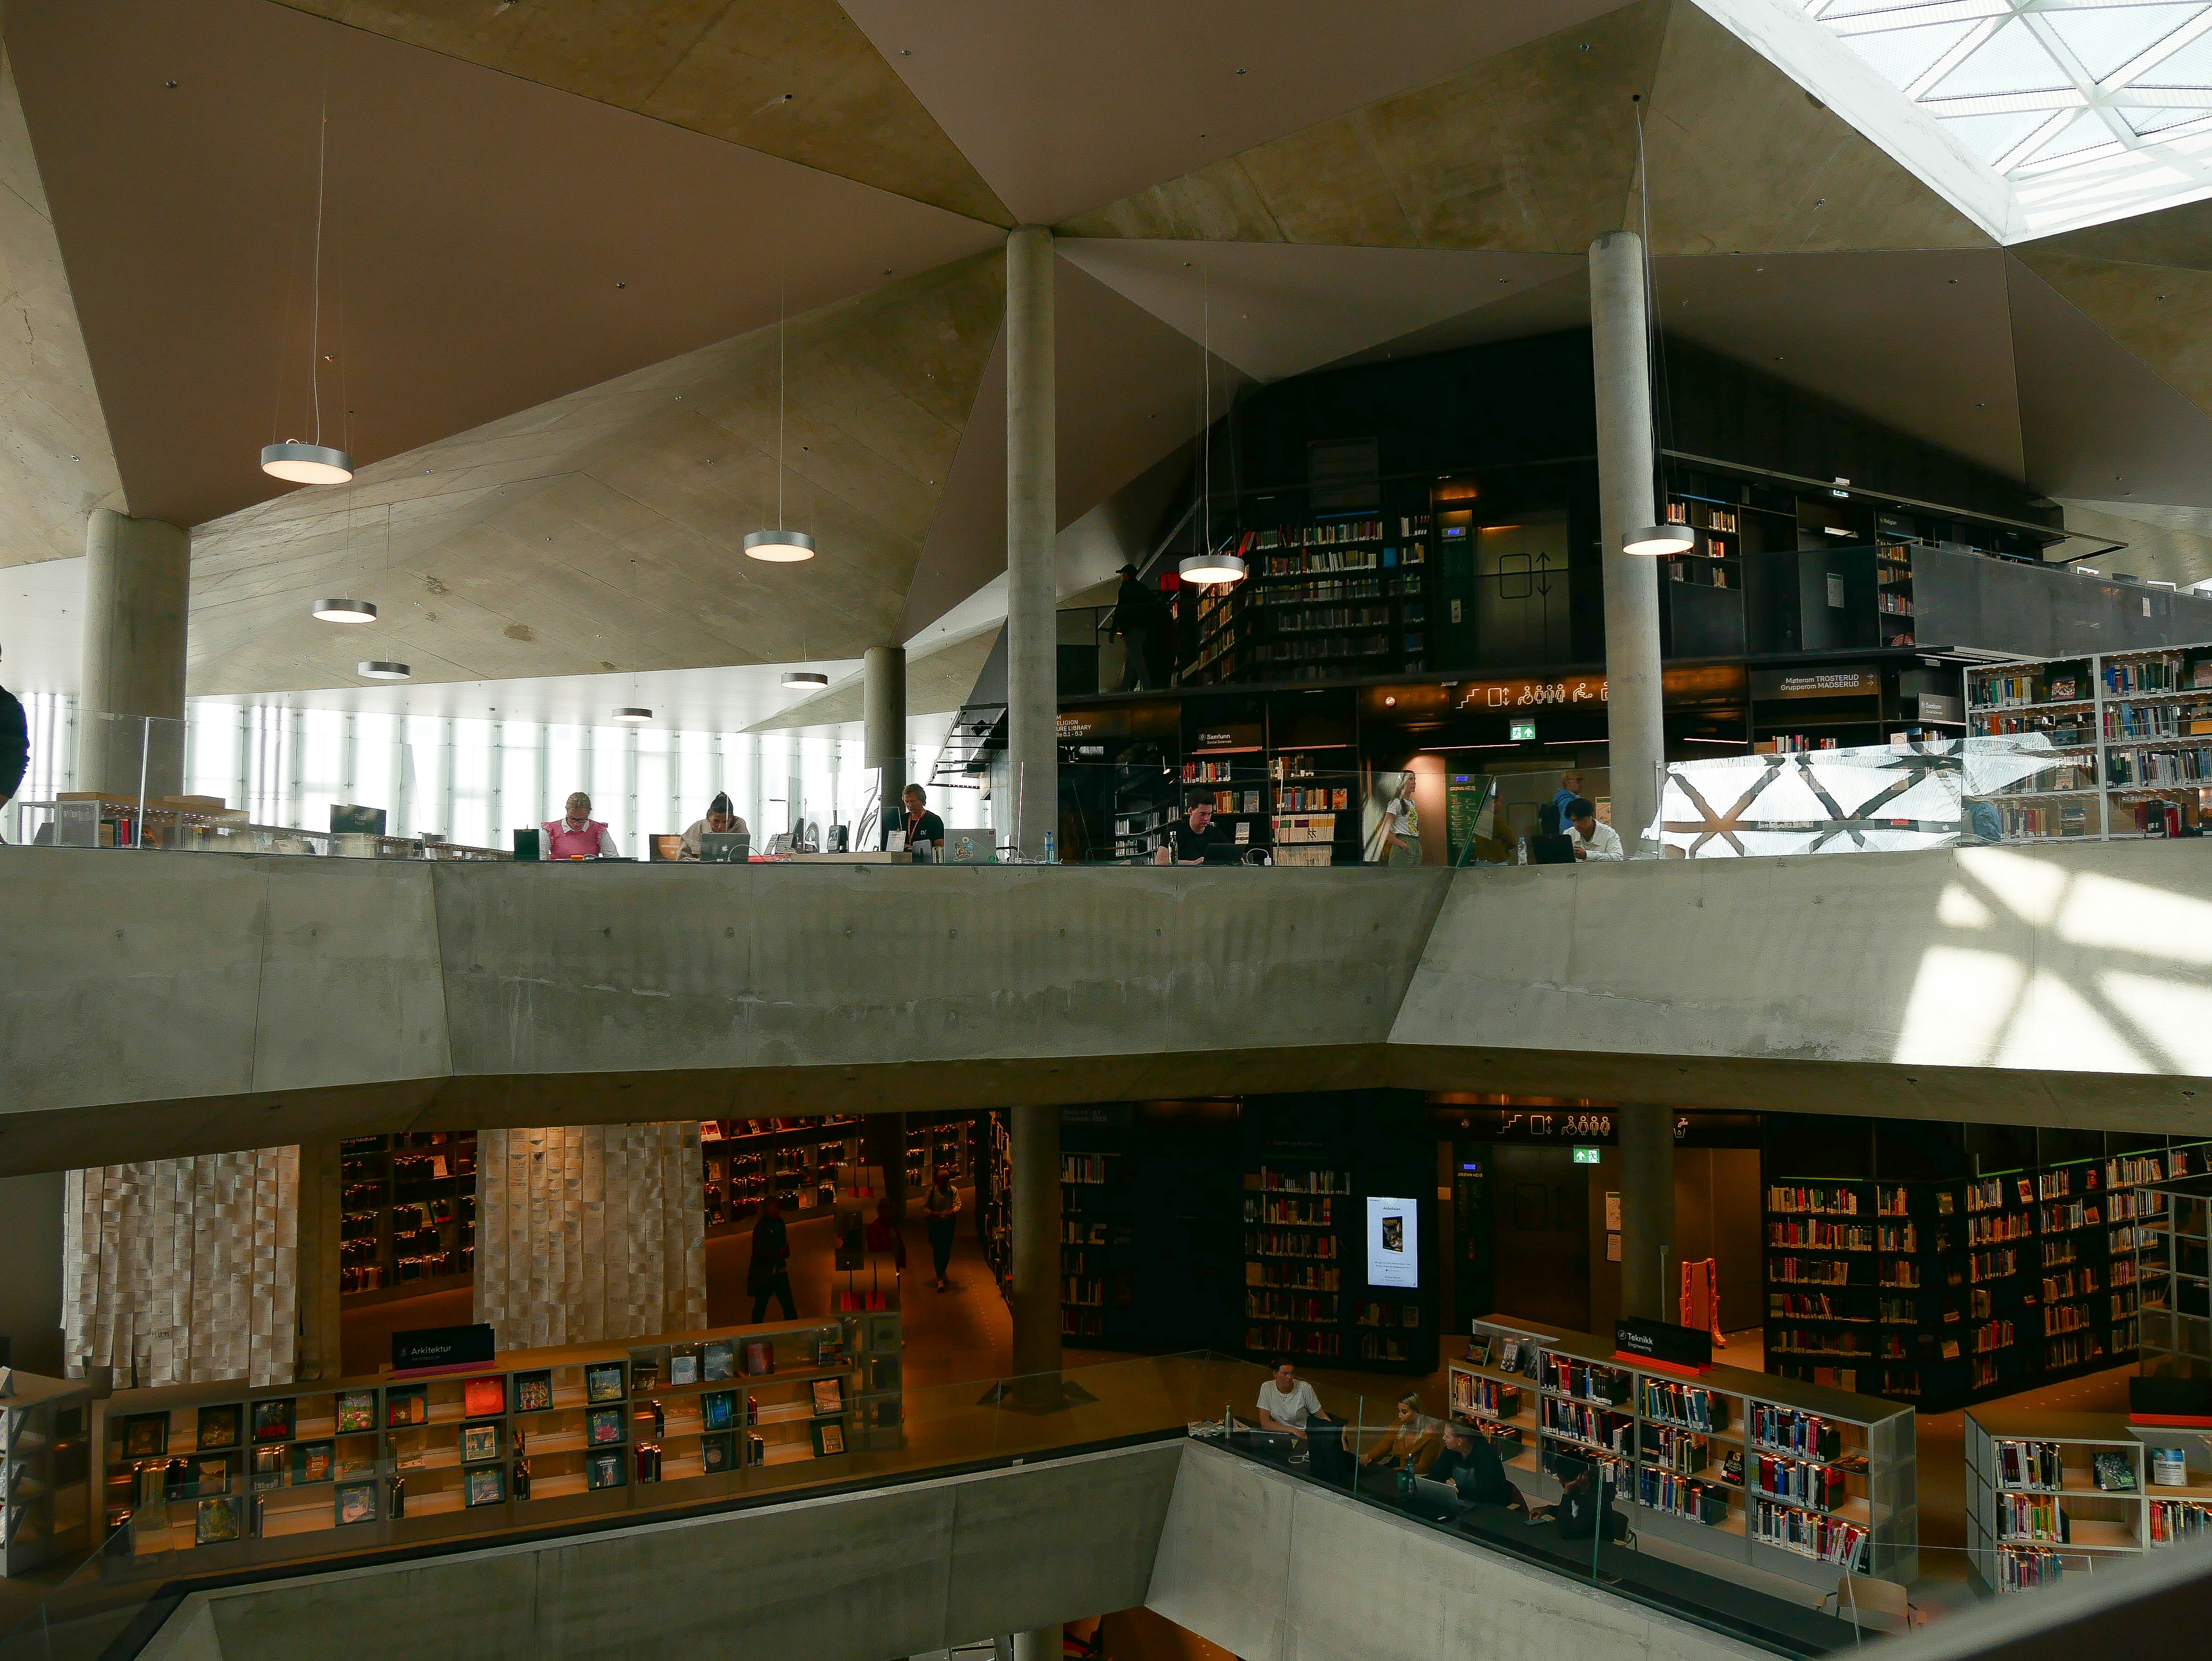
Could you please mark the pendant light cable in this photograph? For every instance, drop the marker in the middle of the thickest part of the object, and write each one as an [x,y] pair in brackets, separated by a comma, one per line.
[780,269]
[1655,343]
[315,323]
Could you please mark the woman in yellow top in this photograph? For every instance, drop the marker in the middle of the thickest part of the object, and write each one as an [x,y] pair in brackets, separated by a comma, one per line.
[1409,1444]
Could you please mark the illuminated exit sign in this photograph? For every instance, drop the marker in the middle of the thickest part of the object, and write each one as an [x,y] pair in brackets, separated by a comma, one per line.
[1586,1155]
[1524,731]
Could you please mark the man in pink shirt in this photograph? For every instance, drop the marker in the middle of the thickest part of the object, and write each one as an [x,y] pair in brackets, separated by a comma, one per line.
[578,836]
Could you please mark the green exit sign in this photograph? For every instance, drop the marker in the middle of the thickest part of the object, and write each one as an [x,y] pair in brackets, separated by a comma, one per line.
[1524,731]
[1586,1155]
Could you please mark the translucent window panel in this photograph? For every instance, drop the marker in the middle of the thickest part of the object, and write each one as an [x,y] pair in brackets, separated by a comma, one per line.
[472,783]
[610,784]
[521,783]
[212,752]
[656,786]
[375,779]
[697,768]
[320,767]
[741,776]
[567,767]
[423,772]
[779,806]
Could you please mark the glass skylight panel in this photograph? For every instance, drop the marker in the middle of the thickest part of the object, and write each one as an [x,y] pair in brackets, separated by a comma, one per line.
[2002,76]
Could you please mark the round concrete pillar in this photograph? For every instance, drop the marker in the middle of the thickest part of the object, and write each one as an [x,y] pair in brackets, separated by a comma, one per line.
[137,583]
[1032,623]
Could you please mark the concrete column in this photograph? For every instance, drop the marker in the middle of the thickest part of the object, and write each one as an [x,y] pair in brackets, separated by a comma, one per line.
[1648,1271]
[1635,727]
[322,1215]
[1032,522]
[137,579]
[1035,1226]
[1042,1645]
[883,1137]
[883,712]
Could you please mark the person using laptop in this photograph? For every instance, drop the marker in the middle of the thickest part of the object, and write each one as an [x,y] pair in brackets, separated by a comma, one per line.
[1409,1443]
[1287,1401]
[1197,836]
[1472,1466]
[923,829]
[721,819]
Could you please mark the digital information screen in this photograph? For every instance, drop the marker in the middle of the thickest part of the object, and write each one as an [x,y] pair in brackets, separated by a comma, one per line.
[1394,1244]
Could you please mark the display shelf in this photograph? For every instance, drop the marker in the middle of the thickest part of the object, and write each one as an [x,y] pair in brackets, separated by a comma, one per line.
[1682,1448]
[1098,1234]
[2134,772]
[189,1466]
[407,1214]
[2048,1493]
[2173,1256]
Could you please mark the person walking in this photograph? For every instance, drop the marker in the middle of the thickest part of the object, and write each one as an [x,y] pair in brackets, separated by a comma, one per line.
[940,1206]
[769,1273]
[1136,616]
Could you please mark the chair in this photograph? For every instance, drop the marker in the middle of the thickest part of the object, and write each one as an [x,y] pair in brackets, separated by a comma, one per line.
[1875,1602]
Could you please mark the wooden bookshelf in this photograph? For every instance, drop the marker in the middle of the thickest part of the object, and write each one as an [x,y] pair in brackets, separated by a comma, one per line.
[210,1466]
[799,1160]
[1301,1245]
[1756,1470]
[1330,597]
[408,1206]
[2053,1493]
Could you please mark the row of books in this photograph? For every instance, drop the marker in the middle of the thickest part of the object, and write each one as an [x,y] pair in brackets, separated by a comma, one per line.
[1293,1341]
[1313,1214]
[2178,1519]
[1693,1499]
[1282,1306]
[2026,1465]
[1474,1397]
[1804,1481]
[1792,1430]
[1299,1277]
[1274,1243]
[1810,1534]
[2159,767]
[1087,1168]
[1688,1405]
[1820,1235]
[2030,1516]
[1272,1181]
[1331,534]
[2019,1570]
[1593,1426]
[1836,1201]
[1586,1381]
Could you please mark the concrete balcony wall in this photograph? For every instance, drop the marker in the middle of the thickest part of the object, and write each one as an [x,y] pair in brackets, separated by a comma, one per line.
[161,1005]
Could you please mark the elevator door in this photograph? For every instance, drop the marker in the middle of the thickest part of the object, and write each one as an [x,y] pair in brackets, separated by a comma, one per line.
[1539,1238]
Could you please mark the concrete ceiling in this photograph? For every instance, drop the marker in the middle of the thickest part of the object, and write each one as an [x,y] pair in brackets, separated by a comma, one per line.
[558,356]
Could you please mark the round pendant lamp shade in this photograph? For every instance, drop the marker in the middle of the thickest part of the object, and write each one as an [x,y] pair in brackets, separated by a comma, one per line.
[1210,570]
[345,611]
[1656,541]
[633,716]
[804,680]
[379,669]
[305,464]
[780,547]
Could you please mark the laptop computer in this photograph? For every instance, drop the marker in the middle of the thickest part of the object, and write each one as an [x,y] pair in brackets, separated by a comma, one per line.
[1441,1498]
[725,847]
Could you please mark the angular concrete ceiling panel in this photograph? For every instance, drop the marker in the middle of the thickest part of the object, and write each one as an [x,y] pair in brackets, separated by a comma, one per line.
[602,532]
[937,682]
[55,463]
[1064,106]
[1277,309]
[578,243]
[1535,150]
[2097,422]
[792,78]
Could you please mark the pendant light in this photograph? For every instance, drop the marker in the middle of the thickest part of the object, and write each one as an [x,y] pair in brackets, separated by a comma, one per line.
[296,461]
[1211,567]
[779,547]
[374,669]
[804,680]
[345,611]
[632,715]
[1652,541]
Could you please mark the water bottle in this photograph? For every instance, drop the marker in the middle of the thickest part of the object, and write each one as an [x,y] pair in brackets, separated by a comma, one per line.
[1051,849]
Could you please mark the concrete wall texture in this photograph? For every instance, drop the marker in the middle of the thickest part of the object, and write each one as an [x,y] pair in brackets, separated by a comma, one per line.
[173,1005]
[1248,1559]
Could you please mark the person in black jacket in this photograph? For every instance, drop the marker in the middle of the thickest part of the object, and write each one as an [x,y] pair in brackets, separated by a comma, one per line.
[769,1272]
[1585,1508]
[14,745]
[1472,1466]
[1136,620]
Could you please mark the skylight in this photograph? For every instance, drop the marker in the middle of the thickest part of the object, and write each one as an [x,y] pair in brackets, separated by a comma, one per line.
[2091,110]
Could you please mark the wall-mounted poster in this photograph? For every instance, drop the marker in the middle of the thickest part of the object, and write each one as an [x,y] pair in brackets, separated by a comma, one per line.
[1393,1243]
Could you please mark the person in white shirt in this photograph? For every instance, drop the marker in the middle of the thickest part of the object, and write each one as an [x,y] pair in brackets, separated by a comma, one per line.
[1286,1401]
[1592,840]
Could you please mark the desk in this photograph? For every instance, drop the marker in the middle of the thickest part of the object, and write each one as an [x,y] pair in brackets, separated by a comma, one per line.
[843,859]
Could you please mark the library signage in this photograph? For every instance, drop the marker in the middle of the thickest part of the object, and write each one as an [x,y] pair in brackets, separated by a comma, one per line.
[1231,735]
[1661,1344]
[429,1348]
[1767,684]
[1520,1124]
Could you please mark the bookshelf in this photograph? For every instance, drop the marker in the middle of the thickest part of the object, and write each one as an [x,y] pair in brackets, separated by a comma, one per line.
[2053,1493]
[45,1461]
[537,1435]
[2173,1232]
[932,1148]
[994,1195]
[408,1205]
[743,1161]
[1316,812]
[1299,1240]
[1145,803]
[1097,1238]
[1238,786]
[1328,597]
[2129,735]
[1764,1472]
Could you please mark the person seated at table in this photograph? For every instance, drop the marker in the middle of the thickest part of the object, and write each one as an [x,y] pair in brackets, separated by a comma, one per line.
[924,832]
[721,819]
[1409,1444]
[1584,1510]
[1472,1466]
[578,836]
[1287,1401]
[1194,839]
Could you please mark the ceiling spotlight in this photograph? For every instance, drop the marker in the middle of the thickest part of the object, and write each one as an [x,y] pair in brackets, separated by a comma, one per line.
[780,547]
[1841,489]
[633,716]
[344,611]
[375,669]
[296,462]
[1211,570]
[804,680]
[1657,541]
